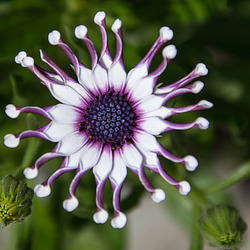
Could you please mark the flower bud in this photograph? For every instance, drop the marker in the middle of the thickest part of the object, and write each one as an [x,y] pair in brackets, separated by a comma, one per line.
[15,200]
[223,227]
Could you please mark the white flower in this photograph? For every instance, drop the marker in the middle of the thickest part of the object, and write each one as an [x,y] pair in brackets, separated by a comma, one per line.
[107,119]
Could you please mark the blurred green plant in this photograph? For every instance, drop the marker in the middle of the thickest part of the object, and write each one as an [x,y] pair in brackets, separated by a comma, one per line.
[223,227]
[15,200]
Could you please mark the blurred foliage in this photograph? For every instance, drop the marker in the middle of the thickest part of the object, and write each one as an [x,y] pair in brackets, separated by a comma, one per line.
[215,32]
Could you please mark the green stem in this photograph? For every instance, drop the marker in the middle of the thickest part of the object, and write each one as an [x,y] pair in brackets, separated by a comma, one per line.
[241,173]
[196,238]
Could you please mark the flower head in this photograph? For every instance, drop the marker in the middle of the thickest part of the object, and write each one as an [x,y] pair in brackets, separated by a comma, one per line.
[107,119]
[15,200]
[222,227]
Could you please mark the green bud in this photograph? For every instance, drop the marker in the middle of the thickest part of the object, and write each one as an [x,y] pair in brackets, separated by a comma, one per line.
[223,227]
[15,200]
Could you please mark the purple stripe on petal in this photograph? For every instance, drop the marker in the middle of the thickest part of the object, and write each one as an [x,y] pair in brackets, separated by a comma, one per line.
[33,133]
[14,111]
[144,180]
[60,171]
[195,73]
[65,77]
[81,33]
[45,158]
[28,62]
[199,106]
[75,181]
[105,57]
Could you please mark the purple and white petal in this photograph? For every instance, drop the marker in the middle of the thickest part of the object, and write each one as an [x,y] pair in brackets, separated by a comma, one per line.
[105,58]
[101,172]
[131,156]
[117,177]
[13,111]
[65,114]
[71,143]
[117,73]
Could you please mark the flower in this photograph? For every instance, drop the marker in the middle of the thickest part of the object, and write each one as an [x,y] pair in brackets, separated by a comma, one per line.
[222,226]
[107,119]
[15,200]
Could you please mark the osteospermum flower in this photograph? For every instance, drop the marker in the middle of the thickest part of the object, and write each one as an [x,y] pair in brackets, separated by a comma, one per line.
[107,119]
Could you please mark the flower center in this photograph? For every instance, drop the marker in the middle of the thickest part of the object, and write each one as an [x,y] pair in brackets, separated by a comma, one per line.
[110,119]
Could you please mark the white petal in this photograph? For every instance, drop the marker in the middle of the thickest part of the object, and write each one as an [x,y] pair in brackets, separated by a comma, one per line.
[64,113]
[104,165]
[79,89]
[142,89]
[146,141]
[191,162]
[202,122]
[131,157]
[91,155]
[117,76]
[56,131]
[71,143]
[101,77]
[150,103]
[11,141]
[54,37]
[70,204]
[150,159]
[20,56]
[162,112]
[153,125]
[169,52]
[74,159]
[86,79]
[42,191]
[30,173]
[135,74]
[119,221]
[119,171]
[67,95]
[184,187]
[158,196]
[12,111]
[201,69]
[100,217]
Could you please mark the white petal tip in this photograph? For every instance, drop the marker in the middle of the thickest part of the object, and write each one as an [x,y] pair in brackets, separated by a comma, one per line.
[119,221]
[169,52]
[27,62]
[184,187]
[70,204]
[116,25]
[11,141]
[166,33]
[203,123]
[197,87]
[100,217]
[20,56]
[158,196]
[81,32]
[99,17]
[191,162]
[11,111]
[42,191]
[201,69]
[206,104]
[54,37]
[30,173]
